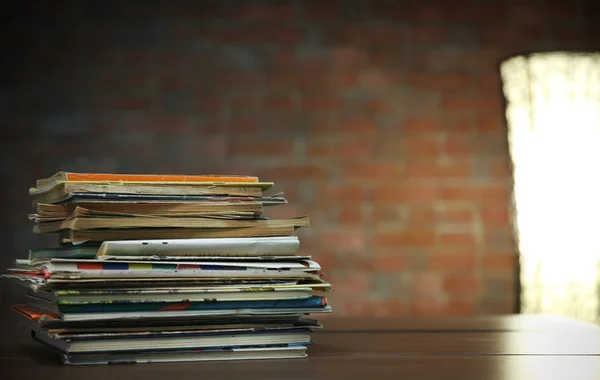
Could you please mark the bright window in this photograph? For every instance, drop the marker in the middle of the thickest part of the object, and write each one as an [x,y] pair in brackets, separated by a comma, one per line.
[553,113]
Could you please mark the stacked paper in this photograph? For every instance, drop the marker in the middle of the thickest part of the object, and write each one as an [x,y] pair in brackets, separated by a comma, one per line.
[167,269]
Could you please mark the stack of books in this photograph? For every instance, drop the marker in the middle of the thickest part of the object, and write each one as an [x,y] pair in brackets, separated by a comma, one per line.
[158,268]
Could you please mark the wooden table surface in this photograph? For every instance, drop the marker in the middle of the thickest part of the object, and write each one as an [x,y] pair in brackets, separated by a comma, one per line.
[504,347]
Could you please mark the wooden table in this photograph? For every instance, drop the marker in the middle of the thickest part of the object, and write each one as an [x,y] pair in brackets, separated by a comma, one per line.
[490,348]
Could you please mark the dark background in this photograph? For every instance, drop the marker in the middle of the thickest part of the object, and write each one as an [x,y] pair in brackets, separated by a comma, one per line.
[381,120]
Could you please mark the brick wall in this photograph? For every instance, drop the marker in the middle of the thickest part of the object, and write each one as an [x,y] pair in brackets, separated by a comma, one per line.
[383,121]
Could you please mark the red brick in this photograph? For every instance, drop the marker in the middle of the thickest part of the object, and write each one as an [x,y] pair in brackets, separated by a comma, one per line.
[386,308]
[378,106]
[527,14]
[347,306]
[127,103]
[284,35]
[204,10]
[404,238]
[495,215]
[384,214]
[287,211]
[340,149]
[243,147]
[388,264]
[344,78]
[480,12]
[427,34]
[507,35]
[460,124]
[347,57]
[243,102]
[247,35]
[281,13]
[459,308]
[351,215]
[420,216]
[244,124]
[456,239]
[491,124]
[570,34]
[381,56]
[421,145]
[462,284]
[344,35]
[209,146]
[357,125]
[446,81]
[294,172]
[100,127]
[391,194]
[452,260]
[499,240]
[426,285]
[425,307]
[501,169]
[376,78]
[351,283]
[372,171]
[240,80]
[388,10]
[431,169]
[343,242]
[424,12]
[458,144]
[277,102]
[208,103]
[489,83]
[325,258]
[321,11]
[500,261]
[488,193]
[321,103]
[421,125]
[461,102]
[459,216]
[344,194]
[405,193]
[394,35]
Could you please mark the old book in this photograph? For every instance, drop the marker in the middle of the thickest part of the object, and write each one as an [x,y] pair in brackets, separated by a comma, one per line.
[179,356]
[237,210]
[149,208]
[90,223]
[112,177]
[62,191]
[252,246]
[101,235]
[271,200]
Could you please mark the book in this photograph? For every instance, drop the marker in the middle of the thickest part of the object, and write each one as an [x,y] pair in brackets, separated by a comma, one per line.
[68,310]
[90,223]
[78,237]
[249,246]
[167,268]
[171,294]
[78,268]
[217,354]
[183,341]
[67,252]
[52,212]
[77,197]
[63,176]
[61,191]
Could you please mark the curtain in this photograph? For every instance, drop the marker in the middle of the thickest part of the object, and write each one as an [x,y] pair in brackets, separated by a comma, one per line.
[553,114]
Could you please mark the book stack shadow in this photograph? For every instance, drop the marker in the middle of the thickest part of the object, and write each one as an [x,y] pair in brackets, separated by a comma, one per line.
[158,268]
